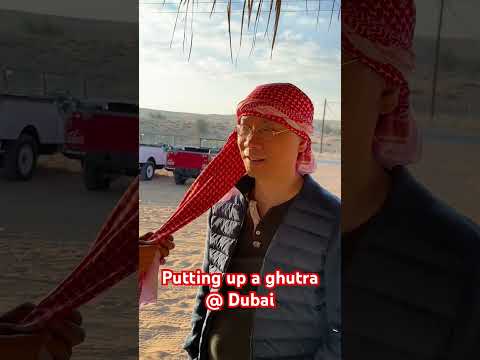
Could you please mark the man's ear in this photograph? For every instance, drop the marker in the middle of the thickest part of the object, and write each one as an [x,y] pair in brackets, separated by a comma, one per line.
[389,100]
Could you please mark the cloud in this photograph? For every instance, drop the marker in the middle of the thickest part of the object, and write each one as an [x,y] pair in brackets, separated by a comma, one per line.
[210,83]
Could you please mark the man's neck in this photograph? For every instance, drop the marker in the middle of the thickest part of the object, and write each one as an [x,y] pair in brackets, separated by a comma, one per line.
[364,192]
[270,192]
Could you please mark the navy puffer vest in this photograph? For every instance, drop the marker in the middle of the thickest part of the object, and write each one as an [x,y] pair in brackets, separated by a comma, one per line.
[306,323]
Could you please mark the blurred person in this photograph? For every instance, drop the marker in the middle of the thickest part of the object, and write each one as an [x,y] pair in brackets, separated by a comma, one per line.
[410,269]
[54,340]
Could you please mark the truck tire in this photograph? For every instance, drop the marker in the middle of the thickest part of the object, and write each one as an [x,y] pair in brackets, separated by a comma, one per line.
[179,177]
[21,158]
[148,171]
[94,177]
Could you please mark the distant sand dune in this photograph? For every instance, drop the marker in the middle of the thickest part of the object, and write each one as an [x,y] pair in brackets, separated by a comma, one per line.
[159,126]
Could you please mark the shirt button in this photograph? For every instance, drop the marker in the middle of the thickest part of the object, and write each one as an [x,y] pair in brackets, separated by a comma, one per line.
[258,232]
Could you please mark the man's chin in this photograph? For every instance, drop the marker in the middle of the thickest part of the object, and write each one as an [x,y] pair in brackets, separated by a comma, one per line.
[256,168]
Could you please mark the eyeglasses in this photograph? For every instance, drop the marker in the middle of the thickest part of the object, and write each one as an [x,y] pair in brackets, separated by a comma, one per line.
[263,134]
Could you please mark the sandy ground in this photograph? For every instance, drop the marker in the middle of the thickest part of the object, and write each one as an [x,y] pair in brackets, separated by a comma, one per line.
[46,226]
[165,324]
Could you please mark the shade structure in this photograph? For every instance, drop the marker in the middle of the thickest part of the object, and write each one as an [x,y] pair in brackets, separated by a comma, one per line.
[112,257]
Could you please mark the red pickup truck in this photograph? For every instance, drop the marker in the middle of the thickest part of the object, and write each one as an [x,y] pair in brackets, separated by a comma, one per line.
[188,162]
[103,135]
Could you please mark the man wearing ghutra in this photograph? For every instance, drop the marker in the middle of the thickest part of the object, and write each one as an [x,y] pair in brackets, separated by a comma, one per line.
[410,270]
[275,217]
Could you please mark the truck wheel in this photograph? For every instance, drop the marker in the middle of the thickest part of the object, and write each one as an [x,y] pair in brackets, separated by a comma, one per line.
[148,171]
[179,177]
[21,158]
[94,177]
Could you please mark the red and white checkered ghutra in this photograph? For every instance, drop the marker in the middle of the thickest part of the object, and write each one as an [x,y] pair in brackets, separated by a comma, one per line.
[283,103]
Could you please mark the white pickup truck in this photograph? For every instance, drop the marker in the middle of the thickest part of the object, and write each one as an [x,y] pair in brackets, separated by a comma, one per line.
[151,158]
[29,127]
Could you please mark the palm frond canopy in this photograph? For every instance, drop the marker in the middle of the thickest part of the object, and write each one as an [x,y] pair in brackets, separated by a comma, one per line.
[251,12]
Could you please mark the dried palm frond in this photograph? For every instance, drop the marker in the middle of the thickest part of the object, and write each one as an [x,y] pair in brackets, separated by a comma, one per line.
[251,8]
[331,14]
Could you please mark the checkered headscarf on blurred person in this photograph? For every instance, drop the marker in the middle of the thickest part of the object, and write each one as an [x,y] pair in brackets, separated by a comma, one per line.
[380,34]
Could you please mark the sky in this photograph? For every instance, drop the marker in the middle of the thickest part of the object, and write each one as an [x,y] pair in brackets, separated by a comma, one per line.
[210,83]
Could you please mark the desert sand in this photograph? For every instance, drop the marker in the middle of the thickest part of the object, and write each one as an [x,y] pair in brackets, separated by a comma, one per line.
[46,227]
[165,324]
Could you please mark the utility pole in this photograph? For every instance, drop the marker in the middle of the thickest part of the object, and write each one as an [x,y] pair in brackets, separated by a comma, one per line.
[437,55]
[323,124]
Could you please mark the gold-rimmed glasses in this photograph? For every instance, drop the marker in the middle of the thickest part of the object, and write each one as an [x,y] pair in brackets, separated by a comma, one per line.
[263,134]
